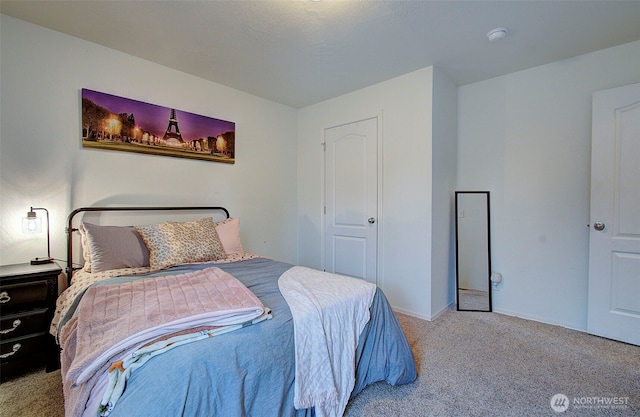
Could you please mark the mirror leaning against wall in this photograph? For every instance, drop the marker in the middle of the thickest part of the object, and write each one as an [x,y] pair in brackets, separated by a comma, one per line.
[473,251]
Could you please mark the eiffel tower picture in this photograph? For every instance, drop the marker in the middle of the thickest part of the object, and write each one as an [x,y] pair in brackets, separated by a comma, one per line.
[108,122]
[172,135]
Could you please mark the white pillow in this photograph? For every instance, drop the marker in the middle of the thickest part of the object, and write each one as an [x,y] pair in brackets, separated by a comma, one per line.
[229,234]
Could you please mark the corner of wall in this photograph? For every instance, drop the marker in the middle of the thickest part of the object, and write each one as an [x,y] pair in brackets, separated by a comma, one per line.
[444,133]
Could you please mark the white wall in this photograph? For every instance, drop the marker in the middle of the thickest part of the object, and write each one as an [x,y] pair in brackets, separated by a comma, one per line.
[526,137]
[444,127]
[43,164]
[405,106]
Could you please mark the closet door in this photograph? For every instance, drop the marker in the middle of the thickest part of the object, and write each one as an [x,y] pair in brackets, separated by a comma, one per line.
[351,199]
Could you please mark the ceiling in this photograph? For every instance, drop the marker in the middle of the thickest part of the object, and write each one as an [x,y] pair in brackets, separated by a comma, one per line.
[301,52]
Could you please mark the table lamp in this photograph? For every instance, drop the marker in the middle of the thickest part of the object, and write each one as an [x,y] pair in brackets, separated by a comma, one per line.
[33,224]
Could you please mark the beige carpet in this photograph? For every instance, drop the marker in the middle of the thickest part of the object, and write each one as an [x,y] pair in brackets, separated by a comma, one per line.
[469,363]
[36,393]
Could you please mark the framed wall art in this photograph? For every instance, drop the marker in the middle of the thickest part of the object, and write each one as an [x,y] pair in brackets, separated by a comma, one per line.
[122,124]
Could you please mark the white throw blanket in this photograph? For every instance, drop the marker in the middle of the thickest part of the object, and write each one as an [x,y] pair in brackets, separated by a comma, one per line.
[329,313]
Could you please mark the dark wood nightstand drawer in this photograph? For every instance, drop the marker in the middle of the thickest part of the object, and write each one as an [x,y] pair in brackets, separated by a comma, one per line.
[20,324]
[27,301]
[23,295]
[18,347]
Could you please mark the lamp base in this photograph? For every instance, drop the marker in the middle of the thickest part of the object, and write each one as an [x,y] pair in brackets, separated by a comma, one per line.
[41,261]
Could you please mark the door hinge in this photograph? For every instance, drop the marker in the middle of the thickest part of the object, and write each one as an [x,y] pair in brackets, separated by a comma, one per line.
[324,146]
[325,210]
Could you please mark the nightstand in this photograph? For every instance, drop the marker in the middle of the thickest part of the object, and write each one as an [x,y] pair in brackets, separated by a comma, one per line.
[27,302]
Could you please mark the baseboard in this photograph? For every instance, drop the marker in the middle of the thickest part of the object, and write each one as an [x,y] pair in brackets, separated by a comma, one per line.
[537,318]
[411,313]
[422,316]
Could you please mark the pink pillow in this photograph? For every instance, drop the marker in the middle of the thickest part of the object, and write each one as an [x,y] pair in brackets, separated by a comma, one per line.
[229,234]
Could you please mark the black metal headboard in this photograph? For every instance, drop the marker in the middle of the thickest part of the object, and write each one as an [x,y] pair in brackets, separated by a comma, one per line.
[70,229]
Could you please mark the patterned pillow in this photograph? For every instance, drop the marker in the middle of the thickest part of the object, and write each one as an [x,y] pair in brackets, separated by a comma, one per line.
[174,243]
[86,250]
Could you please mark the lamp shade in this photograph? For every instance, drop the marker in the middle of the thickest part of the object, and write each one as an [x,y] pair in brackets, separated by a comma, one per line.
[31,223]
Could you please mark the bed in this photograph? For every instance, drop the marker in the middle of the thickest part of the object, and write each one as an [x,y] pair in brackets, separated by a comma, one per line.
[139,336]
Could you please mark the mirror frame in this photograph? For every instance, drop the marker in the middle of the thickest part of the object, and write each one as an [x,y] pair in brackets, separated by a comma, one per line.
[457,193]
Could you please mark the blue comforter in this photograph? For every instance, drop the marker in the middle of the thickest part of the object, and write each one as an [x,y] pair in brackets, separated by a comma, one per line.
[250,372]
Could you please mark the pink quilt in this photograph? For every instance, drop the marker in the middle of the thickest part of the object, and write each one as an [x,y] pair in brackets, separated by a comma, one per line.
[114,319]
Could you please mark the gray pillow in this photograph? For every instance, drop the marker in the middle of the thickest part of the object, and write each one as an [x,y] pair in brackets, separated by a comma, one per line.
[115,247]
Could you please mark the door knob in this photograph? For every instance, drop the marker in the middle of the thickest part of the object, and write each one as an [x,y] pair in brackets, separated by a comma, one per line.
[371,220]
[599,226]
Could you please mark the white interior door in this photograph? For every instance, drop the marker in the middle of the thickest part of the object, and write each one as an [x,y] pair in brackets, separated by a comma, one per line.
[614,244]
[351,196]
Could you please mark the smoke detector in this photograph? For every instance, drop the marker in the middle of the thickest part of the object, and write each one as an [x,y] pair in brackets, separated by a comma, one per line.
[496,34]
